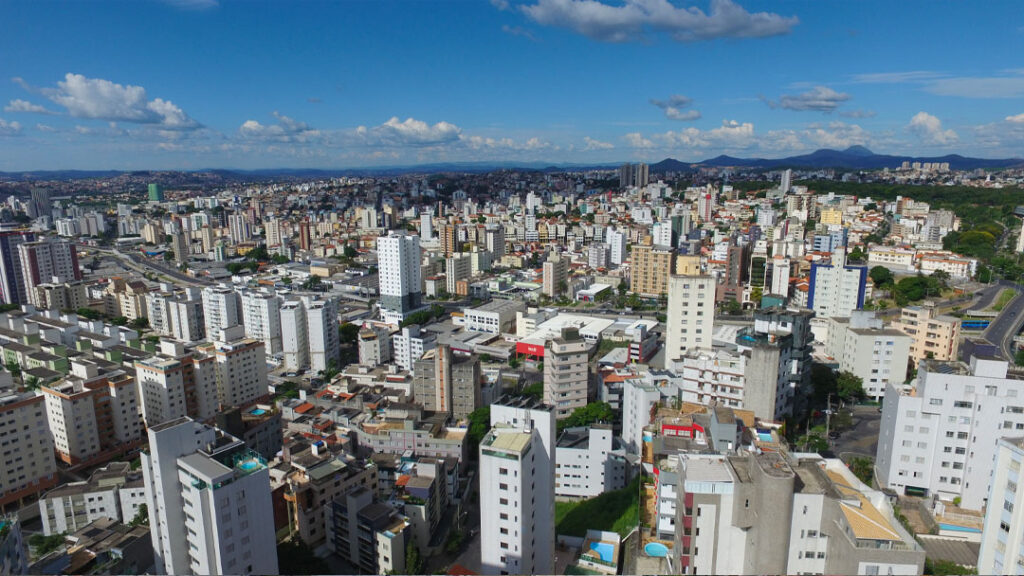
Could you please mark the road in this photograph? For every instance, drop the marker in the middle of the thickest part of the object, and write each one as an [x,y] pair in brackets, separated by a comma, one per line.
[143,265]
[1007,325]
[860,439]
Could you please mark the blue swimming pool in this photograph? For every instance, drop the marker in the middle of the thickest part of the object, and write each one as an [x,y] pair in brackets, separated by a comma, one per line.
[605,550]
[958,528]
[648,437]
[656,550]
[258,412]
[249,465]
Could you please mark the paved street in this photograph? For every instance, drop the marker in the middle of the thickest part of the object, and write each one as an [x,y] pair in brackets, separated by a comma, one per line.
[1003,329]
[861,439]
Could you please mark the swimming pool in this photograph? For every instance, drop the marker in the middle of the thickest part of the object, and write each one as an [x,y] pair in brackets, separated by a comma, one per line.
[648,438]
[249,465]
[764,437]
[605,550]
[258,412]
[656,550]
[958,528]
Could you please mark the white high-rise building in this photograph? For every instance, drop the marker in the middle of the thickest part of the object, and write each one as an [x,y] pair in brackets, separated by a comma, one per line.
[637,399]
[401,287]
[239,229]
[616,241]
[939,438]
[209,502]
[322,333]
[261,314]
[47,261]
[273,229]
[787,179]
[517,490]
[1004,519]
[566,373]
[220,309]
[427,225]
[29,467]
[294,335]
[241,368]
[410,344]
[691,314]
[780,272]
[836,289]
[865,348]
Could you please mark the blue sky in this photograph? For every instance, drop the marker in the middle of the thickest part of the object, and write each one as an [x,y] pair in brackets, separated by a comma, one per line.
[190,84]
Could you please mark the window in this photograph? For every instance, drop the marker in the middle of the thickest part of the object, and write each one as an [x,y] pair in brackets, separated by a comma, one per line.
[962,404]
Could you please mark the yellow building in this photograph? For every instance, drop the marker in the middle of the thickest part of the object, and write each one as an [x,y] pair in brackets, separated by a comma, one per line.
[832,217]
[932,336]
[650,270]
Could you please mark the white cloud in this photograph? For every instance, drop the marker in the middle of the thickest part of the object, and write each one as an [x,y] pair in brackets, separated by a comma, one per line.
[673,107]
[18,105]
[9,128]
[285,130]
[193,4]
[508,144]
[637,140]
[593,144]
[1006,84]
[500,4]
[858,113]
[102,99]
[631,19]
[1016,119]
[410,132]
[518,31]
[929,130]
[817,99]
[45,128]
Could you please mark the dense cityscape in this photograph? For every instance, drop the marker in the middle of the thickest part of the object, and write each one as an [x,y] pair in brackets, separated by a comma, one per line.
[574,287]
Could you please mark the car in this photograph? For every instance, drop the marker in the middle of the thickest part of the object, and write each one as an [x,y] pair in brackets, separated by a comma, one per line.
[833,435]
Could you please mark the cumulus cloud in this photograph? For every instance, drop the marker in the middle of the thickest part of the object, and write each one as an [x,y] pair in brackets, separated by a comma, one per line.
[929,130]
[637,140]
[9,128]
[285,130]
[633,19]
[500,4]
[592,144]
[673,107]
[97,98]
[509,144]
[1016,119]
[18,105]
[45,128]
[817,99]
[410,132]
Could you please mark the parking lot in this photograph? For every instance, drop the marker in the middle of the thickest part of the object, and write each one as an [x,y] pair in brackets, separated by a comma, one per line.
[861,438]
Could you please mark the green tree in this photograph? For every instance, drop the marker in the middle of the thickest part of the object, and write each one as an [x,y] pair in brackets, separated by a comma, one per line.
[140,323]
[536,390]
[32,383]
[88,313]
[312,283]
[856,255]
[479,424]
[863,468]
[43,545]
[413,562]
[945,568]
[141,517]
[348,333]
[1019,358]
[13,367]
[587,415]
[296,557]
[881,276]
[849,386]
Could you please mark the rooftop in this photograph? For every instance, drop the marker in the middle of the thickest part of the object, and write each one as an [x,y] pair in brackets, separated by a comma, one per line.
[509,441]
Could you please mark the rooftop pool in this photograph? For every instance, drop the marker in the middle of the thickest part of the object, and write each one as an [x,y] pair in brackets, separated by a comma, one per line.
[656,550]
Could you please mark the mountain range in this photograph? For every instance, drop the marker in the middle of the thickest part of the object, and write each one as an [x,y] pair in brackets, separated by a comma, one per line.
[852,158]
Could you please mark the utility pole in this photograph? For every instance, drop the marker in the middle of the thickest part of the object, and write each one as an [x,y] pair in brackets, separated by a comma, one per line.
[828,416]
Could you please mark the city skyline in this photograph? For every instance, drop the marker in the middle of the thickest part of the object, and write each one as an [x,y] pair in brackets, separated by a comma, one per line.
[194,84]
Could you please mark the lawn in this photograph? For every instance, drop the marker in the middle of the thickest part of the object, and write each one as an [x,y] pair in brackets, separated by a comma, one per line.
[617,511]
[1003,299]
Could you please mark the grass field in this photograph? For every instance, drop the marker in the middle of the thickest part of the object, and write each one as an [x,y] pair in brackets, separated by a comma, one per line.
[617,511]
[1003,299]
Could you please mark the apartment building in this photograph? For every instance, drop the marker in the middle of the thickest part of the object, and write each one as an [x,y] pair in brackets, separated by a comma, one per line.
[208,499]
[939,437]
[589,461]
[651,266]
[1004,520]
[410,344]
[113,492]
[566,372]
[175,383]
[690,319]
[932,335]
[29,467]
[836,289]
[93,419]
[261,316]
[240,368]
[556,276]
[517,493]
[445,381]
[318,477]
[371,535]
[772,514]
[863,347]
[494,317]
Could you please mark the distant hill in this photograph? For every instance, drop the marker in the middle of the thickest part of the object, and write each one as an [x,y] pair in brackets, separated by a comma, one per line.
[853,158]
